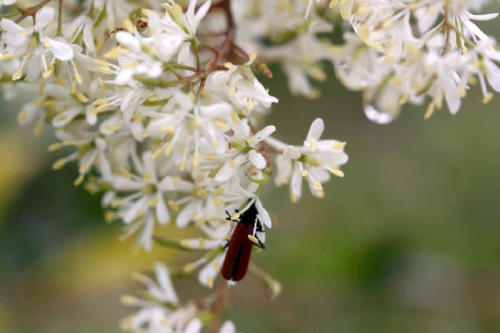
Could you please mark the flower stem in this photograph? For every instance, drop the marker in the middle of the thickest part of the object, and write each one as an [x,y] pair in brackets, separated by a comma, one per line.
[59,19]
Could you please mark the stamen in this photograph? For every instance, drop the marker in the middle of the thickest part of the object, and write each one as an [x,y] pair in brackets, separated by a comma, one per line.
[173,205]
[84,169]
[216,265]
[200,222]
[129,300]
[147,177]
[189,267]
[210,282]
[54,147]
[78,181]
[337,172]
[59,164]
[187,243]
[312,145]
[154,202]
[339,145]
[235,118]
[488,97]
[202,242]
[218,191]
[117,203]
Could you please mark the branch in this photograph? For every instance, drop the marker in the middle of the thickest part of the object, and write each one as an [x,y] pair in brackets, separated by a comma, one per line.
[31,11]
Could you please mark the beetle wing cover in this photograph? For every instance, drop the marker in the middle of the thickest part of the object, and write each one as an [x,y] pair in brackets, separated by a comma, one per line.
[237,258]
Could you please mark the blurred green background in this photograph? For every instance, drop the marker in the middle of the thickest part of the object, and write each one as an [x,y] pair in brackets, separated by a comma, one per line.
[408,240]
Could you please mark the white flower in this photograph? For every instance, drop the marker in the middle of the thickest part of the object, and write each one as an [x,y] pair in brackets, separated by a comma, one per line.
[18,42]
[235,158]
[134,62]
[193,18]
[145,52]
[147,192]
[483,62]
[81,27]
[300,57]
[195,130]
[208,274]
[91,151]
[238,85]
[427,48]
[160,311]
[203,203]
[162,289]
[315,160]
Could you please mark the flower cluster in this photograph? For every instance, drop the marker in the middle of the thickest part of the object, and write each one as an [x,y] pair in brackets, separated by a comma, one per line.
[395,51]
[418,52]
[160,310]
[161,109]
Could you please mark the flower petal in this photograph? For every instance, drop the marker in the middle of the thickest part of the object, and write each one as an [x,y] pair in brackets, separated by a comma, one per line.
[43,17]
[161,210]
[165,282]
[128,40]
[61,50]
[194,326]
[185,215]
[315,130]
[257,159]
[296,182]
[228,327]
[264,133]
[225,173]
[208,273]
[263,214]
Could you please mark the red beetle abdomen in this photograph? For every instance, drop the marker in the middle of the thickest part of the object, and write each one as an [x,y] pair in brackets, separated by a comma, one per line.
[237,258]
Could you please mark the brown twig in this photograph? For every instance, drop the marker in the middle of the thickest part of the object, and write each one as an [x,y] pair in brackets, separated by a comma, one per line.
[31,11]
[219,307]
[242,52]
[448,29]
[267,151]
[215,303]
[225,48]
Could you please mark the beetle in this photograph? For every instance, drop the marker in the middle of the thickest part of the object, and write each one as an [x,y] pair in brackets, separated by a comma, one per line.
[249,231]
